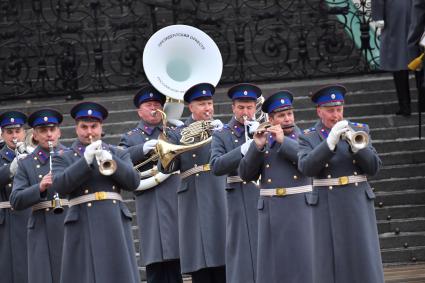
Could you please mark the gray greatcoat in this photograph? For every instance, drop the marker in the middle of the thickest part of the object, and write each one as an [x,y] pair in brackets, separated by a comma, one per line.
[202,210]
[242,198]
[156,208]
[285,224]
[393,49]
[346,235]
[13,228]
[98,241]
[45,229]
[417,28]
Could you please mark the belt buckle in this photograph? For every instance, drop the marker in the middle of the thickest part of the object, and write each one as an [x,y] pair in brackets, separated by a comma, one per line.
[206,167]
[280,192]
[100,195]
[343,180]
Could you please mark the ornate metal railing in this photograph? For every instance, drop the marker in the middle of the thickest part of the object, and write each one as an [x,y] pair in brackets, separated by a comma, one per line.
[59,47]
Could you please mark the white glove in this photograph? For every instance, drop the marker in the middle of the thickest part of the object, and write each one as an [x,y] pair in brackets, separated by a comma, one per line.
[253,126]
[91,151]
[380,24]
[245,147]
[103,155]
[217,124]
[149,145]
[13,166]
[175,122]
[20,146]
[335,134]
[22,156]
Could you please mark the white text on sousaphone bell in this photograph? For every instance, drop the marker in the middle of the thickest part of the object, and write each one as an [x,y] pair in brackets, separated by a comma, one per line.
[179,34]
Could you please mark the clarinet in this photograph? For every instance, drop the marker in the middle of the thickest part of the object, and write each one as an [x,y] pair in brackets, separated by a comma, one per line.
[57,206]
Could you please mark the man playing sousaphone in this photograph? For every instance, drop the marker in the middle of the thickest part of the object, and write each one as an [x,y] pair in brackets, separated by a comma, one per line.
[156,207]
[201,199]
[33,188]
[285,227]
[228,147]
[98,240]
[13,224]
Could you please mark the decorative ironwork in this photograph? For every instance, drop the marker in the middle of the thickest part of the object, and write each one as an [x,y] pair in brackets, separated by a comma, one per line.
[62,47]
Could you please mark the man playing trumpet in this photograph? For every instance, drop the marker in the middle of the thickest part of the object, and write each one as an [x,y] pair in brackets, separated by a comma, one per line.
[201,199]
[228,147]
[285,227]
[98,241]
[33,188]
[156,207]
[346,238]
[13,224]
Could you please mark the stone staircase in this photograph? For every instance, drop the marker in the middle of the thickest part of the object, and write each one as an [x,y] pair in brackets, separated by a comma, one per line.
[400,185]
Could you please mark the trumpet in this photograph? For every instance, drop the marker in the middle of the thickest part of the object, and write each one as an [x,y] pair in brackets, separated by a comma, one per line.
[164,119]
[57,206]
[107,167]
[357,140]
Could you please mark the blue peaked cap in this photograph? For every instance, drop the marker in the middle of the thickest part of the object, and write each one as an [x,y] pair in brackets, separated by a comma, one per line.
[199,91]
[244,91]
[331,95]
[281,100]
[89,110]
[148,93]
[45,117]
[12,119]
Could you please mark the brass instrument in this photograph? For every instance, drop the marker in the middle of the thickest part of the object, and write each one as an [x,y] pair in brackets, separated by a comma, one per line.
[57,206]
[262,128]
[416,64]
[29,144]
[107,167]
[357,140]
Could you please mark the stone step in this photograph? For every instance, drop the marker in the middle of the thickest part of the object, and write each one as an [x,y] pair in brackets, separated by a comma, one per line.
[403,255]
[396,184]
[405,197]
[402,240]
[400,212]
[403,170]
[406,157]
[401,225]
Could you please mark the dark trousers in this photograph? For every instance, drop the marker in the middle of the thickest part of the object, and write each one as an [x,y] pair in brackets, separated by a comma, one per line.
[210,275]
[164,272]
[401,81]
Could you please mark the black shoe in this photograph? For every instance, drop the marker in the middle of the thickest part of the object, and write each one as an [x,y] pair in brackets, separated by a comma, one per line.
[405,113]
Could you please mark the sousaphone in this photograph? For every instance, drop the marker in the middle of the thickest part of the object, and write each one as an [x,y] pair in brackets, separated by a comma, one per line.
[176,58]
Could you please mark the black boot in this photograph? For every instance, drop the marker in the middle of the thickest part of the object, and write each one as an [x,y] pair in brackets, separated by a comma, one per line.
[401,81]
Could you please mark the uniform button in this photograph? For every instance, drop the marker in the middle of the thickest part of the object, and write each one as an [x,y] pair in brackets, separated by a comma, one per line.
[329,176]
[269,180]
[236,140]
[47,209]
[326,165]
[40,176]
[355,173]
[267,165]
[294,162]
[86,191]
[233,132]
[89,204]
[356,184]
[194,155]
[114,201]
[35,158]
[295,177]
[354,161]
[244,182]
[330,187]
[10,185]
[267,152]
[197,174]
[75,154]
[146,139]
[38,166]
[113,187]
[194,165]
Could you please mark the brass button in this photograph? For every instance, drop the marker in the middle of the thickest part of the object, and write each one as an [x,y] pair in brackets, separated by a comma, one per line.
[113,187]
[35,158]
[114,201]
[355,173]
[75,154]
[86,191]
[330,187]
[326,165]
[267,152]
[197,174]
[47,209]
[40,176]
[269,180]
[295,177]
[356,184]
[146,139]
[194,165]
[194,155]
[329,176]
[233,132]
[267,165]
[89,204]
[38,166]
[244,182]
[236,140]
[354,161]
[10,185]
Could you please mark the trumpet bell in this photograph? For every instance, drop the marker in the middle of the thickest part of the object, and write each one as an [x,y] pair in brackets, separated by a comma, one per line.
[179,56]
[357,140]
[107,167]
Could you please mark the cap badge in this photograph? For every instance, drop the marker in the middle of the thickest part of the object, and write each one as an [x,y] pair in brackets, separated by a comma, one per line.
[151,94]
[45,119]
[204,92]
[245,93]
[12,120]
[333,96]
[89,112]
[282,101]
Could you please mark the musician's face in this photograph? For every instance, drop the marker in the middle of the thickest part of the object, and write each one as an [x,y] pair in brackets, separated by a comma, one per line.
[284,118]
[202,109]
[242,108]
[8,135]
[88,131]
[145,112]
[43,134]
[330,115]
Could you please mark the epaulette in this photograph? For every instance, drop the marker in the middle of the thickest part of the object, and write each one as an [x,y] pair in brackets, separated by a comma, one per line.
[132,132]
[63,151]
[358,125]
[308,131]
